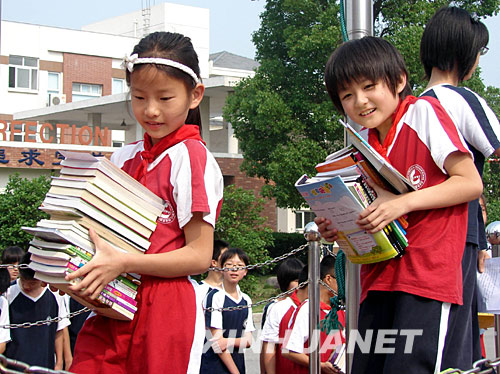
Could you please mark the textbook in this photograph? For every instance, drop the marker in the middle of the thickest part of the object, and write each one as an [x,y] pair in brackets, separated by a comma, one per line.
[340,192]
[93,193]
[333,199]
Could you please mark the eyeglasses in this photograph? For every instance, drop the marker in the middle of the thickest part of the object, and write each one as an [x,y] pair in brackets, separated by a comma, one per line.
[483,51]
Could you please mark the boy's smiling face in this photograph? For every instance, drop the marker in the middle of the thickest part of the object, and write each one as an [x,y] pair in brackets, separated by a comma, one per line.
[371,104]
[234,276]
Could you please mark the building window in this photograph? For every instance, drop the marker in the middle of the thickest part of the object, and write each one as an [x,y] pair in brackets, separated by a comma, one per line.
[118,86]
[23,73]
[302,218]
[84,91]
[53,86]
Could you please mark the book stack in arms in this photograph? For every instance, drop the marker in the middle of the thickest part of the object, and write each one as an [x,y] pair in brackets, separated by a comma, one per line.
[340,192]
[93,192]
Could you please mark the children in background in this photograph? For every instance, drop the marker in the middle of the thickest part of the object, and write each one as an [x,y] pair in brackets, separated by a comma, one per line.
[231,331]
[367,80]
[214,278]
[298,338]
[12,255]
[4,309]
[288,276]
[450,48]
[30,300]
[167,331]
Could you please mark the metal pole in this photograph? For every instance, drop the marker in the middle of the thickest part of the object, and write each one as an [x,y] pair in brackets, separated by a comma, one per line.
[312,235]
[359,23]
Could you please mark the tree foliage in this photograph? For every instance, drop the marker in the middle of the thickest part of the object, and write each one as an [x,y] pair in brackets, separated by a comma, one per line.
[283,117]
[241,224]
[19,207]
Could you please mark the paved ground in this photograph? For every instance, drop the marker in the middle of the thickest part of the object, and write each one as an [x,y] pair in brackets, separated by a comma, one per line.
[252,354]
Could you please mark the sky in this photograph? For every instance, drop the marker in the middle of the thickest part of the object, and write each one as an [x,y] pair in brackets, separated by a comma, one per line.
[232,22]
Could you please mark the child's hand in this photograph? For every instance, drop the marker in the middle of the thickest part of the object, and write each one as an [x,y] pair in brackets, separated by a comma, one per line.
[105,266]
[330,235]
[386,208]
[327,367]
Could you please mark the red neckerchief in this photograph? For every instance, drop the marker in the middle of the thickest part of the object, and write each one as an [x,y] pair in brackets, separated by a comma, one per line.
[152,151]
[295,299]
[373,138]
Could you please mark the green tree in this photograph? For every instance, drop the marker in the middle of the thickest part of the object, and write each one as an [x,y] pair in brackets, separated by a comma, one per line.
[282,116]
[19,207]
[241,224]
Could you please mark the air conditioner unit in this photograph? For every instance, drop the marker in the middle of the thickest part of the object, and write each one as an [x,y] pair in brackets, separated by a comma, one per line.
[57,99]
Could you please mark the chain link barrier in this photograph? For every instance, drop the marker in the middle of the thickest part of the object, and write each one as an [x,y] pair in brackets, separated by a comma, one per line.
[47,321]
[19,266]
[483,366]
[9,366]
[265,263]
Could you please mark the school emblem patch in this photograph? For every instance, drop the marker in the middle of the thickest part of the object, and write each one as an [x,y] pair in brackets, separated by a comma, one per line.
[168,214]
[416,176]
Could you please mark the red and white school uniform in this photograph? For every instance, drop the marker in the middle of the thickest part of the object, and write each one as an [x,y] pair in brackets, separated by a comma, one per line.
[298,339]
[274,330]
[167,332]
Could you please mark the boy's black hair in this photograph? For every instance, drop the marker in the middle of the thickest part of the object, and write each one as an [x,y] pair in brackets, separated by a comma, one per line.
[4,280]
[232,252]
[368,58]
[288,271]
[26,273]
[12,255]
[327,266]
[452,37]
[218,246]
[176,47]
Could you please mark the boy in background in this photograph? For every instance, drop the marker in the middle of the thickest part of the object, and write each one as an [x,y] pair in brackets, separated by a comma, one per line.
[288,276]
[30,300]
[231,330]
[298,337]
[367,81]
[214,278]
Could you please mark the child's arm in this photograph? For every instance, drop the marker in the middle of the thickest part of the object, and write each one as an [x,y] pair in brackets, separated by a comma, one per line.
[245,341]
[303,360]
[463,185]
[68,356]
[59,350]
[2,347]
[268,358]
[107,264]
[222,351]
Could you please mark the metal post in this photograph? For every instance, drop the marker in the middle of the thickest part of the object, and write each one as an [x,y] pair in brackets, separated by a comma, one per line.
[312,235]
[359,23]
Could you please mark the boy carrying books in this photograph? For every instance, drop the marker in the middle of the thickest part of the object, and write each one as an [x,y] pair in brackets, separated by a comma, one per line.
[412,295]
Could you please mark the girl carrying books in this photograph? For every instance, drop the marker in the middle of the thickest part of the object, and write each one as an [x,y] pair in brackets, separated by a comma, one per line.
[167,331]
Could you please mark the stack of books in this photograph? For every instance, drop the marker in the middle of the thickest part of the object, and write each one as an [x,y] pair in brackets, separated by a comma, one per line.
[340,192]
[93,192]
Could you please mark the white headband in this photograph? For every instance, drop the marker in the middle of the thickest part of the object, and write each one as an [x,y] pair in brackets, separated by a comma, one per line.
[130,60]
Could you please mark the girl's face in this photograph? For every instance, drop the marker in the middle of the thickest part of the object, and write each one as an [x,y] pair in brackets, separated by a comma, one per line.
[371,104]
[236,275]
[13,271]
[161,102]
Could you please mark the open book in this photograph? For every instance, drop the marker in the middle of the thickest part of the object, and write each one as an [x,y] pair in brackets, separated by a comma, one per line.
[340,192]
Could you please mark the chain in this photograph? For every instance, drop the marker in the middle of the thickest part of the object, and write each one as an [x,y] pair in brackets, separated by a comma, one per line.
[489,367]
[47,321]
[265,263]
[327,287]
[24,368]
[241,307]
[20,266]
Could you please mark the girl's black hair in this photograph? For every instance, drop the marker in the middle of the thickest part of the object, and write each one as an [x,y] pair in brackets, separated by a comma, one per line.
[452,37]
[288,271]
[368,58]
[232,252]
[12,255]
[176,47]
